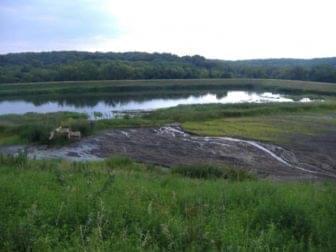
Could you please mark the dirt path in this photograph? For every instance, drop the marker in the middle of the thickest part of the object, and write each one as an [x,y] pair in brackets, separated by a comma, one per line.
[170,146]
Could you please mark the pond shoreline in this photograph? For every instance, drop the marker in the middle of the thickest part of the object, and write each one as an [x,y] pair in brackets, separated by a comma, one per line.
[111,107]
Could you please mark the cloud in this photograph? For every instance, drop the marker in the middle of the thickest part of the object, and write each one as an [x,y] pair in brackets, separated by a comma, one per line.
[227,29]
[214,28]
[52,25]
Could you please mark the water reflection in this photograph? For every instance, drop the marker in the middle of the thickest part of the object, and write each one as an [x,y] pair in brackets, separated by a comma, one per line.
[110,106]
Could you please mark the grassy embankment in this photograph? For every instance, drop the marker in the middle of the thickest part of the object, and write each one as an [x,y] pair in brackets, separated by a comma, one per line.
[122,205]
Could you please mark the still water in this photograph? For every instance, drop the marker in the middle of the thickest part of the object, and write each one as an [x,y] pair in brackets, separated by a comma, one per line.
[110,109]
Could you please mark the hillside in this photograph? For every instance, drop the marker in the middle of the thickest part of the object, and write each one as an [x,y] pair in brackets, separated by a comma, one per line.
[75,66]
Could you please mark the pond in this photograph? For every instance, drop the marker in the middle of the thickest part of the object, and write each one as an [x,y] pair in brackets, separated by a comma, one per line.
[108,108]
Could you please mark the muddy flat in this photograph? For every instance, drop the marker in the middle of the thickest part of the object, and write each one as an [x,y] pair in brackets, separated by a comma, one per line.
[170,145]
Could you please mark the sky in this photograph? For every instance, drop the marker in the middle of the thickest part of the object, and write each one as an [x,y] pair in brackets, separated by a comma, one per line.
[222,29]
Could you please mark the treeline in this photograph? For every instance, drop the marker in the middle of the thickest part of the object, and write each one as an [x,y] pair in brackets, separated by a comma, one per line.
[73,66]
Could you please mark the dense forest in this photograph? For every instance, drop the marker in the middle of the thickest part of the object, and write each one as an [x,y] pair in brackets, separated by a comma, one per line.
[72,65]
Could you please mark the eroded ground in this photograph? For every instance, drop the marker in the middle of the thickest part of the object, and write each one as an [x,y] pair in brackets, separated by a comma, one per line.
[170,145]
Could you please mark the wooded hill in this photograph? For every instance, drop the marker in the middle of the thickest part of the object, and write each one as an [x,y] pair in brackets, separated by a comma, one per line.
[73,66]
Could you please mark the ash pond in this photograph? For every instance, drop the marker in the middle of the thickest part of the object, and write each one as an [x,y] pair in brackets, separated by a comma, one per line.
[108,108]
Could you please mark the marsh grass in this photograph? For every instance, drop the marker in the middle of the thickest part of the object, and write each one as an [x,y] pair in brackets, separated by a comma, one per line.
[276,129]
[156,86]
[185,113]
[122,205]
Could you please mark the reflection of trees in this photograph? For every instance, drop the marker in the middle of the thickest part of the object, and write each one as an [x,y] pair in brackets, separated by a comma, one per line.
[91,100]
[221,94]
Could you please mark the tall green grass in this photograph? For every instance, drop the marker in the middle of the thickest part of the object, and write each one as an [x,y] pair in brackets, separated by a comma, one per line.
[122,205]
[212,172]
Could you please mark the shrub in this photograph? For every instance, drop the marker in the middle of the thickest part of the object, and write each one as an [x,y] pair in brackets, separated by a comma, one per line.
[36,133]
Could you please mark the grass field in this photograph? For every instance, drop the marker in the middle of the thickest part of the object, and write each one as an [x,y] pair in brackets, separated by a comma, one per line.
[276,128]
[122,205]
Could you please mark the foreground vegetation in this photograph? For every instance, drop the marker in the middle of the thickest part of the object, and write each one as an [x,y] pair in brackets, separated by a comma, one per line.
[122,205]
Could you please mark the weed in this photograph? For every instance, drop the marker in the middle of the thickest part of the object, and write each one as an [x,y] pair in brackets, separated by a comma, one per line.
[210,171]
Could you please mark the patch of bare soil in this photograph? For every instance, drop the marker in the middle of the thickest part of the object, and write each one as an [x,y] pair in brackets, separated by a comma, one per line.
[316,152]
[170,145]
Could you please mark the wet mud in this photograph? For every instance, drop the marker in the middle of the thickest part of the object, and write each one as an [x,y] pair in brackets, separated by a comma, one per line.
[170,145]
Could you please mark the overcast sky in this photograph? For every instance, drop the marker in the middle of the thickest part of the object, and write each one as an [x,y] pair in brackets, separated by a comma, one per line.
[225,29]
